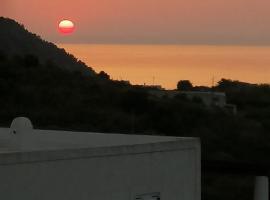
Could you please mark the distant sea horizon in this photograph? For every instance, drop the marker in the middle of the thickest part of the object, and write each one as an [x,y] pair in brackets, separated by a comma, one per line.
[165,65]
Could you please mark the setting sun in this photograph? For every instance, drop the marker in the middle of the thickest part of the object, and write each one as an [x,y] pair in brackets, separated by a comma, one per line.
[66,27]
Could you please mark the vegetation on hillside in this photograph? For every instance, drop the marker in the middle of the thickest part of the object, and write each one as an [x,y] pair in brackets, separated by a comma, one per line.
[16,40]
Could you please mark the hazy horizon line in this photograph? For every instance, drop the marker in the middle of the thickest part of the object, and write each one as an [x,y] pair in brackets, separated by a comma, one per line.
[165,44]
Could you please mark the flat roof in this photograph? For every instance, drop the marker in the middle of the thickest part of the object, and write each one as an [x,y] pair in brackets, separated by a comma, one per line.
[21,143]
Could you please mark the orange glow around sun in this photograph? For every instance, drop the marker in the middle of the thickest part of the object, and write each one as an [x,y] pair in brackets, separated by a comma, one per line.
[66,27]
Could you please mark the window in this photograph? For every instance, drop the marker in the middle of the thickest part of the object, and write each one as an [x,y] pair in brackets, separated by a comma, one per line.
[150,196]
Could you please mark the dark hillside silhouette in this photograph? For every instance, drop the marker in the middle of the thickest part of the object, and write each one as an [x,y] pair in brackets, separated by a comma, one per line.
[16,40]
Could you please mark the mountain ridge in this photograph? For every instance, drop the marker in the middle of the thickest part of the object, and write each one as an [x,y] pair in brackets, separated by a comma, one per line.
[15,39]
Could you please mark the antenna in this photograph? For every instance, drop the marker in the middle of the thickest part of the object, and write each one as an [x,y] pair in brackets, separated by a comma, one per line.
[213,81]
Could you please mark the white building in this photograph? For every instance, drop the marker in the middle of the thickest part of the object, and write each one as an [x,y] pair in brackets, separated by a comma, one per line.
[209,99]
[60,165]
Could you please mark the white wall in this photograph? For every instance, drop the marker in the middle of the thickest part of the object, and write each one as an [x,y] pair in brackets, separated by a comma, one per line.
[175,174]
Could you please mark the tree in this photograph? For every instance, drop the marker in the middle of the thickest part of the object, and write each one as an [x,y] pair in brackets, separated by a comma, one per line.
[3,56]
[224,84]
[104,75]
[184,85]
[31,60]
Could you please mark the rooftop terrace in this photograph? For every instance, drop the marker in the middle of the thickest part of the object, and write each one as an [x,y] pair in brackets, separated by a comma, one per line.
[21,142]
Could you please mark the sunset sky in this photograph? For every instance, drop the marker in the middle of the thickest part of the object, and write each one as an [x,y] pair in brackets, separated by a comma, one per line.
[147,21]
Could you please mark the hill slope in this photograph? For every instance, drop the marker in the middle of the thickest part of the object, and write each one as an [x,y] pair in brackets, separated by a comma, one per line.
[16,40]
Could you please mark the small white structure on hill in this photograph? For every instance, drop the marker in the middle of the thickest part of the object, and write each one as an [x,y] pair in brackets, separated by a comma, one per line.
[209,99]
[44,164]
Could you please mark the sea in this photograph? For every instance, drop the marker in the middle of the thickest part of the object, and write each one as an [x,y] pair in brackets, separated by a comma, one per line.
[165,65]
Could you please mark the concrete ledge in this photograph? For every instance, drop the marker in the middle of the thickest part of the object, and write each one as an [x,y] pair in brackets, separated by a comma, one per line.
[67,154]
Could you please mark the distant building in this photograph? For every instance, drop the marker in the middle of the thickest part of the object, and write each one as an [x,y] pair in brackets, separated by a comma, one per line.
[217,99]
[150,87]
[164,93]
[208,98]
[47,164]
[159,87]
